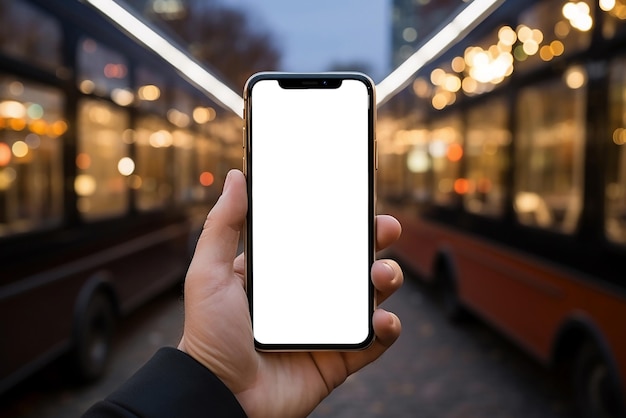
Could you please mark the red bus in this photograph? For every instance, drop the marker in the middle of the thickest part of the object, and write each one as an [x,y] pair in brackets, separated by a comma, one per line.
[505,161]
[106,156]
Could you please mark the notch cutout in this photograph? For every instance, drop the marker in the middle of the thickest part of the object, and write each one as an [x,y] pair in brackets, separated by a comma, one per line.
[310,83]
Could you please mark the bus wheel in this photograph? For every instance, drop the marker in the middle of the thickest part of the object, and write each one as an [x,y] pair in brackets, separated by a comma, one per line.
[94,338]
[449,296]
[595,387]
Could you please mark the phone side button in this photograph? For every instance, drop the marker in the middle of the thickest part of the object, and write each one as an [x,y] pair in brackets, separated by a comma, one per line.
[243,146]
[376,154]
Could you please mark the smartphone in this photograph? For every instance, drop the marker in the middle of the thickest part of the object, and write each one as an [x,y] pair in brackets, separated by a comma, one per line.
[310,163]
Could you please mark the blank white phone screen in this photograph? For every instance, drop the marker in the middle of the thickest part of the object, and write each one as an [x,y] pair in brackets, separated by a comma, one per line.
[310,222]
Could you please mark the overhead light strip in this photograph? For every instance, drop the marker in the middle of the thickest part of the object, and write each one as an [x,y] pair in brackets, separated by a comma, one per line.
[459,26]
[179,59]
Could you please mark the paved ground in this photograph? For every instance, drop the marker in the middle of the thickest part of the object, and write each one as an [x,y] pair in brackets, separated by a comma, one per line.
[440,370]
[435,370]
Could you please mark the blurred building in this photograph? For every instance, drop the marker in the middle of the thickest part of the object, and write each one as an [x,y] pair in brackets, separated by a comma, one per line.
[413,21]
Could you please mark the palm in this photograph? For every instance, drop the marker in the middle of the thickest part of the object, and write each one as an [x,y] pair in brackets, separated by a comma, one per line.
[292,381]
[296,382]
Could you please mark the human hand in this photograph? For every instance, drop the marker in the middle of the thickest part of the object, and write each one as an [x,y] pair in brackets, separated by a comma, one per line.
[218,330]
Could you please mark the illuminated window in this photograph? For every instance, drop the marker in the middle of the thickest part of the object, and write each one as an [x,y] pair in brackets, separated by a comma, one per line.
[207,185]
[29,34]
[155,170]
[180,115]
[391,158]
[488,141]
[225,130]
[549,147]
[102,160]
[615,192]
[446,151]
[31,156]
[103,72]
[390,178]
[413,146]
[183,167]
[181,112]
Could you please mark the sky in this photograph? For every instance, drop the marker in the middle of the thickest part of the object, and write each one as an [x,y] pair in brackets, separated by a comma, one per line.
[315,35]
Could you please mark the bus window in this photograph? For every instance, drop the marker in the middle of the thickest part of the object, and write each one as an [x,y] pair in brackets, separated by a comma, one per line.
[418,163]
[549,146]
[30,35]
[615,193]
[390,181]
[103,72]
[182,107]
[181,115]
[183,165]
[102,160]
[153,142]
[31,158]
[226,130]
[486,158]
[207,159]
[551,29]
[446,150]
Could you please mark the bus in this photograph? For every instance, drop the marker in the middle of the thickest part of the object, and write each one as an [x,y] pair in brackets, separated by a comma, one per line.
[505,161]
[109,161]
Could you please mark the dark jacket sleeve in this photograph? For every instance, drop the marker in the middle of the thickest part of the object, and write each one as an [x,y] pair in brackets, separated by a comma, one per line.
[171,384]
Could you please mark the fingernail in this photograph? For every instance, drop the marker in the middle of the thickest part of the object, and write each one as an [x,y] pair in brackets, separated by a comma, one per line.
[390,271]
[393,318]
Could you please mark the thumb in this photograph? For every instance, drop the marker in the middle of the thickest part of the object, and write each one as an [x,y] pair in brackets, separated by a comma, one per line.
[217,245]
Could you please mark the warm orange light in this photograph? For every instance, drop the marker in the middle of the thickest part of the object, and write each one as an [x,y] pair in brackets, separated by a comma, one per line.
[546,53]
[38,127]
[5,154]
[206,178]
[17,124]
[454,153]
[58,128]
[461,186]
[149,92]
[115,70]
[83,161]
